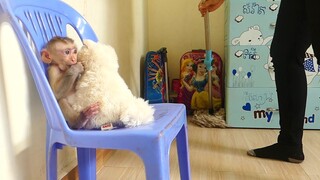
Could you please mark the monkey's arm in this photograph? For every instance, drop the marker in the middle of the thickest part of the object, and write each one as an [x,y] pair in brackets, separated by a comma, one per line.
[75,120]
[78,120]
[68,112]
[62,83]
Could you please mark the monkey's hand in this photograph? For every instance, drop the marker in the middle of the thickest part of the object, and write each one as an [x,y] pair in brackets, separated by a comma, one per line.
[87,114]
[77,68]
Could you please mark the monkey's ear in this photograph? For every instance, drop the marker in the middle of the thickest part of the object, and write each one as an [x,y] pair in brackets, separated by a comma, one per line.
[45,56]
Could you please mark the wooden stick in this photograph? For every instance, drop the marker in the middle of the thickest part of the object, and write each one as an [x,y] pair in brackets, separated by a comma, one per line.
[208,57]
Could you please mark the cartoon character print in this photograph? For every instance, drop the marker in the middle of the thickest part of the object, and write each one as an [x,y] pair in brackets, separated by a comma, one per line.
[156,74]
[310,65]
[193,91]
[216,87]
[196,87]
[253,36]
[199,84]
[186,75]
[155,79]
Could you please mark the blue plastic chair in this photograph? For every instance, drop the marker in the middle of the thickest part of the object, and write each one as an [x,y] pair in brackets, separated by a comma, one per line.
[35,22]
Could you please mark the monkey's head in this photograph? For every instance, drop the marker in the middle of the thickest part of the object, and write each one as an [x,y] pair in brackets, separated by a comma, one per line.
[61,51]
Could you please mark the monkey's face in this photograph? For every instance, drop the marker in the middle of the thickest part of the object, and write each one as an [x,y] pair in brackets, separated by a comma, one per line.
[65,55]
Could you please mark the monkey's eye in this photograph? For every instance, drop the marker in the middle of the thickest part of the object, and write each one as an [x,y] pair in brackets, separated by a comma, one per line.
[67,52]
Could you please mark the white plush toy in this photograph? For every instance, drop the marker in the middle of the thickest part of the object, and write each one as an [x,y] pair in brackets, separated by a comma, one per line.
[101,82]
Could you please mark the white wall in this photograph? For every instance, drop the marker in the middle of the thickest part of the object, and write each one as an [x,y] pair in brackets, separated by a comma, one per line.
[132,27]
[22,119]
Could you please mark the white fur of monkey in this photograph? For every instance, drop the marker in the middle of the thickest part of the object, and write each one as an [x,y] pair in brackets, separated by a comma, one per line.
[101,82]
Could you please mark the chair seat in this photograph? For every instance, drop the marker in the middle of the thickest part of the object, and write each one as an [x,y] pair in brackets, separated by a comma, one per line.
[168,120]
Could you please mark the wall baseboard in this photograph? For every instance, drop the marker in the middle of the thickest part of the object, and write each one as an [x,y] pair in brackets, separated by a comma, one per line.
[102,156]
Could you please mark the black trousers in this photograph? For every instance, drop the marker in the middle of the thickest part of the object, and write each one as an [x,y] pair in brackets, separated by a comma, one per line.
[297,27]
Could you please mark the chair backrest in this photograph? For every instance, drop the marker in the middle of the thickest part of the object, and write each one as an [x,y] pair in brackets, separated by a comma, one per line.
[35,22]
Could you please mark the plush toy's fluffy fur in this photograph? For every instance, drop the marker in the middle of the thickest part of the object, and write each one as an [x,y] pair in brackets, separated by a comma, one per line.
[102,83]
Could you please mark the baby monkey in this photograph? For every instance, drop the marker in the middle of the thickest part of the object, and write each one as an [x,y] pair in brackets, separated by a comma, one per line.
[61,55]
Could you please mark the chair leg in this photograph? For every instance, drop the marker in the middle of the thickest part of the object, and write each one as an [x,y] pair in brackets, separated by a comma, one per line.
[183,153]
[86,163]
[156,161]
[51,162]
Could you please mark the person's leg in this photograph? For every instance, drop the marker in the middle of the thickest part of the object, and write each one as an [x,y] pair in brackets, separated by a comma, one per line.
[291,39]
[313,15]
